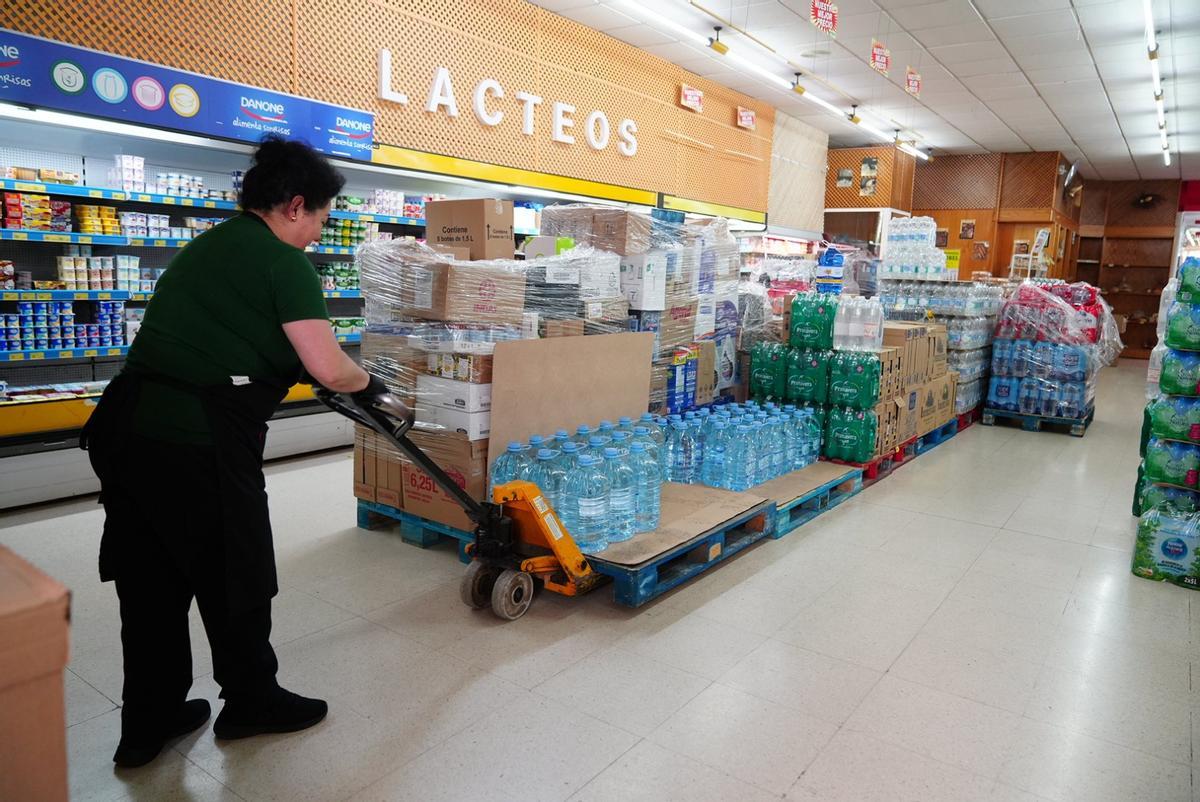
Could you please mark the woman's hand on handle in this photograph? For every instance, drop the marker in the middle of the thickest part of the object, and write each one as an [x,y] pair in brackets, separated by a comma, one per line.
[323,358]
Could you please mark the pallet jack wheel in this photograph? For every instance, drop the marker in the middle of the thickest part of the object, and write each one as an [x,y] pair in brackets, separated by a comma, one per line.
[512,594]
[477,583]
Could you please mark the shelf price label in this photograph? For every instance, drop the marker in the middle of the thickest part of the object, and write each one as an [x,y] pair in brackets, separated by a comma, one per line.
[188,201]
[104,296]
[42,296]
[96,193]
[91,352]
[167,199]
[10,296]
[56,238]
[20,187]
[20,235]
[137,243]
[145,198]
[37,355]
[210,204]
[160,243]
[113,352]
[66,354]
[14,356]
[85,240]
[79,296]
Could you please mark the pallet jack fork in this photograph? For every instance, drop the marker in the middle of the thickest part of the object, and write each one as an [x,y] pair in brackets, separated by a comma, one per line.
[519,539]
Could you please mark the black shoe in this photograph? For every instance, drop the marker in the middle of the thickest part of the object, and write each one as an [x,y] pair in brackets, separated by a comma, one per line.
[134,751]
[282,711]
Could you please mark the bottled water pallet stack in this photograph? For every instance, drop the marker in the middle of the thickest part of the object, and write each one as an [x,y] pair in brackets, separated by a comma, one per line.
[801,509]
[1077,427]
[635,585]
[882,466]
[927,442]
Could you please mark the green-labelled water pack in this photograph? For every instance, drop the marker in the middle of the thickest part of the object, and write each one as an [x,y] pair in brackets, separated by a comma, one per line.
[808,375]
[1180,373]
[1167,548]
[854,379]
[1172,463]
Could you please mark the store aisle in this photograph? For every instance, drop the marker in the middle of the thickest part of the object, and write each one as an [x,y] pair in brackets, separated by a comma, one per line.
[966,630]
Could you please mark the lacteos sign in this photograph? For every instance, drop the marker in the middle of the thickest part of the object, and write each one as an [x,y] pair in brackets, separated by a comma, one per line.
[595,129]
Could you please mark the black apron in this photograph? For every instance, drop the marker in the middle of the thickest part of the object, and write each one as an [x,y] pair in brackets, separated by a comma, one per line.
[237,417]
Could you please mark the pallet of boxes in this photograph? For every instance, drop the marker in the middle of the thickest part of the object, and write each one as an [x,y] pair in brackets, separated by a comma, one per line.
[927,388]
[680,282]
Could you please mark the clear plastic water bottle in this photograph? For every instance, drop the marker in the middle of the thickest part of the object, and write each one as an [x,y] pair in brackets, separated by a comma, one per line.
[762,450]
[648,482]
[743,461]
[678,454]
[778,445]
[549,475]
[536,443]
[696,430]
[586,491]
[642,435]
[792,442]
[513,464]
[620,441]
[713,470]
[606,429]
[568,458]
[583,435]
[625,424]
[596,445]
[652,426]
[622,496]
[561,437]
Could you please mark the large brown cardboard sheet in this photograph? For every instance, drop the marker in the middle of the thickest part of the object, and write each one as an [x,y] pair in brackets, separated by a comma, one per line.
[688,511]
[789,487]
[559,383]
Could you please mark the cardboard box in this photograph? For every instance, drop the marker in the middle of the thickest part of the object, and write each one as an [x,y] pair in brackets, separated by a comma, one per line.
[465,461]
[947,398]
[620,231]
[937,402]
[453,394]
[912,339]
[476,368]
[909,419]
[887,433]
[937,351]
[562,328]
[461,254]
[474,425]
[706,373]
[364,463]
[460,292]
[891,379]
[537,247]
[644,280]
[482,225]
[34,615]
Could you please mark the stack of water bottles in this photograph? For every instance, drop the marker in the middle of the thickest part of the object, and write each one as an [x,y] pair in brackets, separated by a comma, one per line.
[604,483]
[1170,443]
[858,324]
[738,446]
[1047,352]
[911,252]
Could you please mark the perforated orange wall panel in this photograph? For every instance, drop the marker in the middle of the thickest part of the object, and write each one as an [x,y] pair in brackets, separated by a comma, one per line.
[958,182]
[329,50]
[852,159]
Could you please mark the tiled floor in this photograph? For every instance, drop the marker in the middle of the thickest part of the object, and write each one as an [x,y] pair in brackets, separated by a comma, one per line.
[967,629]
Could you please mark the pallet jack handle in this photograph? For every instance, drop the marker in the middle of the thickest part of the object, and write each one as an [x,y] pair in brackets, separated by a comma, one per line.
[389,416]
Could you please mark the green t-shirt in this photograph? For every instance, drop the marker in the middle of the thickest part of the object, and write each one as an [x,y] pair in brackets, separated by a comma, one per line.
[217,313]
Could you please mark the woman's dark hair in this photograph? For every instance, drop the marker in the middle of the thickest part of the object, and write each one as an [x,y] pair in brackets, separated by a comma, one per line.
[285,168]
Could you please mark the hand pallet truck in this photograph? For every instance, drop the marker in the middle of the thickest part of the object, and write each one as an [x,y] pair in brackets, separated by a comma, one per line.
[519,540]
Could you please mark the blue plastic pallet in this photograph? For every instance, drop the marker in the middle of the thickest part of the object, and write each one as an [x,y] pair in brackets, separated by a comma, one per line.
[1077,427]
[633,586]
[413,529]
[938,436]
[804,508]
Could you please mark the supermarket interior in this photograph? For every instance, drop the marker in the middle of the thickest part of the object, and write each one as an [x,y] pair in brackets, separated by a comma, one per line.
[600,400]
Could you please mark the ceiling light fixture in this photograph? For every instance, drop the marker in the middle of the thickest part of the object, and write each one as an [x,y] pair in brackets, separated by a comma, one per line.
[1160,112]
[715,42]
[796,87]
[1167,157]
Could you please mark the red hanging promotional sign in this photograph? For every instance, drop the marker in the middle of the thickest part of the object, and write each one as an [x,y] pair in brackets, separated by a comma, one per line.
[881,57]
[747,118]
[691,98]
[823,14]
[912,82]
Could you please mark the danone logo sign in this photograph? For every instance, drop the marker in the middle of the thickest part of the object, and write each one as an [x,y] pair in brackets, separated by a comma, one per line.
[266,111]
[355,129]
[10,56]
[565,127]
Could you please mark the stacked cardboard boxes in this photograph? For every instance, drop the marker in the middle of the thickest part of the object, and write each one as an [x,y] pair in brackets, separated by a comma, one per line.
[928,387]
[889,410]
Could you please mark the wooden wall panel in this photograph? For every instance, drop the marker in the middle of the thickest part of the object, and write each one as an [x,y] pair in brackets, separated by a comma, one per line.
[799,156]
[328,50]
[852,226]
[1095,203]
[1137,252]
[851,159]
[985,231]
[1121,211]
[902,182]
[958,182]
[1028,180]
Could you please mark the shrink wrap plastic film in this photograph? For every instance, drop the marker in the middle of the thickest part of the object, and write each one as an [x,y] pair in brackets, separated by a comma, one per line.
[1050,342]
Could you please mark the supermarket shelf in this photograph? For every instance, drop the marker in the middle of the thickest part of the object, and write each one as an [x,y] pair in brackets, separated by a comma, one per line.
[146,242]
[146,296]
[332,249]
[349,338]
[65,295]
[140,296]
[906,277]
[101,193]
[20,235]
[62,353]
[371,217]
[342,293]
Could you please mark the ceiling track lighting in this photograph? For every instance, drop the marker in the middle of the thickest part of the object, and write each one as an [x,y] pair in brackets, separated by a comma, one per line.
[796,87]
[1152,48]
[853,115]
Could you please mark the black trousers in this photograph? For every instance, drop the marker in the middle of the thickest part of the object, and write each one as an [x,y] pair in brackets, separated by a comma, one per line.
[167,546]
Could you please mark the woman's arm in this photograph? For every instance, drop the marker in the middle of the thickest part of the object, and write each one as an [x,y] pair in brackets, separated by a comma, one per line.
[323,358]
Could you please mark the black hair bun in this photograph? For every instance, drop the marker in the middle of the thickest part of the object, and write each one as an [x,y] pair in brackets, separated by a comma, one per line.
[284,169]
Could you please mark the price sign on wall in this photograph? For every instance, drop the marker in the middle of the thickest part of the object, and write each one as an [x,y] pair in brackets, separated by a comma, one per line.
[912,82]
[824,15]
[691,98]
[881,57]
[747,118]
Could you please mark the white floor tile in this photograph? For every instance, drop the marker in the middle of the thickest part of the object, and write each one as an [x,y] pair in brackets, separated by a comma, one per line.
[691,643]
[758,742]
[856,767]
[1061,764]
[82,700]
[796,678]
[994,631]
[951,729]
[534,749]
[1012,596]
[624,689]
[940,540]
[999,680]
[649,773]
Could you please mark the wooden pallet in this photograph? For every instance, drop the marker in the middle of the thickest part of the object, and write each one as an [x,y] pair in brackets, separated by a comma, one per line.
[802,509]
[938,436]
[1076,427]
[882,465]
[633,586]
[969,418]
[413,529]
